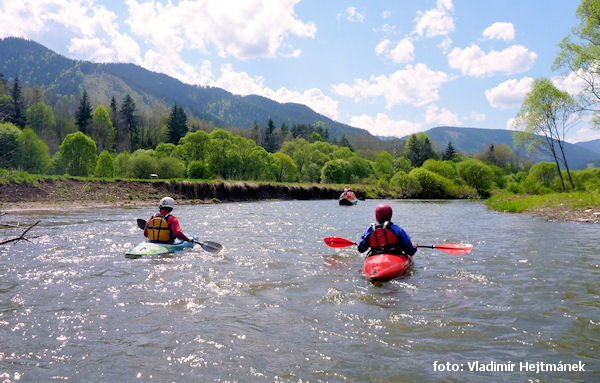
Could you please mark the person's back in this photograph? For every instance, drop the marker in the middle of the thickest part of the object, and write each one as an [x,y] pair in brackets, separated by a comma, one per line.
[385,236]
[164,227]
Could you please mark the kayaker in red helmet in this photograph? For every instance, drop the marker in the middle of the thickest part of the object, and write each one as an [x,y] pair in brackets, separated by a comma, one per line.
[385,237]
[163,227]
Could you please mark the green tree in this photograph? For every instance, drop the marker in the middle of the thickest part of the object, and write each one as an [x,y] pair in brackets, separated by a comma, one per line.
[177,124]
[77,154]
[169,167]
[580,54]
[546,116]
[443,168]
[101,129]
[17,110]
[10,149]
[418,149]
[286,169]
[198,170]
[83,115]
[406,185]
[449,153]
[40,117]
[384,165]
[194,146]
[476,174]
[337,172]
[129,120]
[105,167]
[35,157]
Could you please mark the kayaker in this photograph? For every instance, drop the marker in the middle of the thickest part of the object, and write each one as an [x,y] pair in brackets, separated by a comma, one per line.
[385,236]
[348,194]
[163,227]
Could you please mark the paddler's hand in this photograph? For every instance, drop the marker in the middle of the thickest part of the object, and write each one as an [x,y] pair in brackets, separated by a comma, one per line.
[415,244]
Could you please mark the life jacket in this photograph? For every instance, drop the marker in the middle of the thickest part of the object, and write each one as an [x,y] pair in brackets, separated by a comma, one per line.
[382,239]
[159,229]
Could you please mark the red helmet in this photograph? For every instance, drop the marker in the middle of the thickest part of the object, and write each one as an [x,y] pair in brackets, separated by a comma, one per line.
[383,213]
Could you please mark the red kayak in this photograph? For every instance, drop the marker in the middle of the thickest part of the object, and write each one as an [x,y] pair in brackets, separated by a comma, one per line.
[383,267]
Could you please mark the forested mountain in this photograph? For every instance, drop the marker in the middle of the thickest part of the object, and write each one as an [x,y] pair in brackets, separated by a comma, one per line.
[593,145]
[37,65]
[474,140]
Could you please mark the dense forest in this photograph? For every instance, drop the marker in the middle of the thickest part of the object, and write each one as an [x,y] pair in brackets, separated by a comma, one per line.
[78,138]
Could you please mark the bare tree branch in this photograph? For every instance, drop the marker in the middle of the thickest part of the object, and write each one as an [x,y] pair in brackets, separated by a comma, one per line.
[21,237]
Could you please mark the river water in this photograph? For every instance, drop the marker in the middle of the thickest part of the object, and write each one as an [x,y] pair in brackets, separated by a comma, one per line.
[278,305]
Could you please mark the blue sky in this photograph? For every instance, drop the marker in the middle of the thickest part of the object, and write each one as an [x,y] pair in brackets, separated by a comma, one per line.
[391,67]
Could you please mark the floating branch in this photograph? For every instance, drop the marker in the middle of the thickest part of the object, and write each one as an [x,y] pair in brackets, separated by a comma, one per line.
[21,237]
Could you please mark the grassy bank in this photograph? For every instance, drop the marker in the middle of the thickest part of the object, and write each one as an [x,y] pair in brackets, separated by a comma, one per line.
[574,206]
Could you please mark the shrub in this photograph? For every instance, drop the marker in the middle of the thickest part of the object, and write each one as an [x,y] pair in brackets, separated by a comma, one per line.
[406,185]
[432,184]
[476,174]
[198,170]
[443,168]
[141,165]
[105,166]
[169,167]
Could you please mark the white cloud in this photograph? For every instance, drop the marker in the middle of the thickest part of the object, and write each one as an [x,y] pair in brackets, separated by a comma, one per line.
[478,117]
[94,34]
[584,134]
[437,21]
[573,83]
[386,14]
[436,116]
[472,61]
[403,52]
[510,93]
[243,84]
[248,29]
[383,125]
[445,44]
[511,124]
[415,85]
[354,16]
[176,67]
[500,31]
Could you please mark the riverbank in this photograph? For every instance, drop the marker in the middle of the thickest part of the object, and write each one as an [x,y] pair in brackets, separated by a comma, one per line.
[61,193]
[556,207]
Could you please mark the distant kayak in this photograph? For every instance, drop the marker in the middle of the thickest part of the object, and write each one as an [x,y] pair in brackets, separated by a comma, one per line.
[163,249]
[348,199]
[383,267]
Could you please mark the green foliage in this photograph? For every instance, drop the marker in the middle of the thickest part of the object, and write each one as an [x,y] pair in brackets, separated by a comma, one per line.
[105,166]
[432,184]
[40,117]
[403,163]
[177,124]
[418,149]
[34,155]
[443,168]
[198,170]
[361,168]
[286,169]
[122,164]
[169,167]
[337,172]
[10,150]
[476,174]
[164,149]
[384,165]
[406,185]
[513,203]
[141,165]
[194,146]
[101,129]
[544,173]
[260,165]
[77,155]
[83,115]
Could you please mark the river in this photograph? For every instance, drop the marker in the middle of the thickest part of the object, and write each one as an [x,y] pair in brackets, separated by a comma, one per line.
[278,305]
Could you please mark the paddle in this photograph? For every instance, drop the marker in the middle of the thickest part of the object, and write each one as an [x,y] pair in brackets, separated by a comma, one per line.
[450,248]
[210,246]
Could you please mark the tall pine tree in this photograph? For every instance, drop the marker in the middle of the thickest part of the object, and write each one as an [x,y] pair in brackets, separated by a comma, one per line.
[130,120]
[17,112]
[177,124]
[449,153]
[83,115]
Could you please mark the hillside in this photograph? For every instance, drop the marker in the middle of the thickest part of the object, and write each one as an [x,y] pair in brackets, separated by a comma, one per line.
[474,140]
[35,64]
[593,145]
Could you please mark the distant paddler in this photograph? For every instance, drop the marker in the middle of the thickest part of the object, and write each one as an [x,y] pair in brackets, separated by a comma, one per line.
[348,197]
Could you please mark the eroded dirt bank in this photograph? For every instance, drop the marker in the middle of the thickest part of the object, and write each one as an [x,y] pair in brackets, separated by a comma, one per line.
[74,192]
